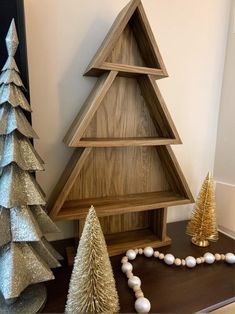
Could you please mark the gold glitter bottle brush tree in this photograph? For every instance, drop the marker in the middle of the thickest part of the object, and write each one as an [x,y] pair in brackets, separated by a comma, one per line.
[26,257]
[92,285]
[203,226]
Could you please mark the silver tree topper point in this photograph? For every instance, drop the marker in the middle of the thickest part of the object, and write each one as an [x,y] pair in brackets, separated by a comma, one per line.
[12,40]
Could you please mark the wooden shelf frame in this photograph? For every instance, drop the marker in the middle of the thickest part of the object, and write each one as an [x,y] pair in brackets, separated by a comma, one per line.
[119,243]
[154,101]
[126,142]
[62,209]
[127,70]
[133,15]
[122,163]
[153,234]
[106,206]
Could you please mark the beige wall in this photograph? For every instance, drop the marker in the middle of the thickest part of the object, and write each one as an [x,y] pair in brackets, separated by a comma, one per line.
[225,148]
[63,36]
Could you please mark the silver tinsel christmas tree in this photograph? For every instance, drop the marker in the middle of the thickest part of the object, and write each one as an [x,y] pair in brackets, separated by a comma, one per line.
[26,258]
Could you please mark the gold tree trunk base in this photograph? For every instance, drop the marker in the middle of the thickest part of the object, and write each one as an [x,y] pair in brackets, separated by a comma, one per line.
[201,243]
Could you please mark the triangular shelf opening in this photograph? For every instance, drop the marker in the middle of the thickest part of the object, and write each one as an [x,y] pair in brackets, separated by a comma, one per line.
[123,111]
[129,47]
[119,180]
[132,54]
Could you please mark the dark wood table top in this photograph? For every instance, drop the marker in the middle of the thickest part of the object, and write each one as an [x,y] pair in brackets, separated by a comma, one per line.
[169,289]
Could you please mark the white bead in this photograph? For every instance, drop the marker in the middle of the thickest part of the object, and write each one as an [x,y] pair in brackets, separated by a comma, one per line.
[209,258]
[230,258]
[190,261]
[169,259]
[142,305]
[127,267]
[131,254]
[148,251]
[161,256]
[134,281]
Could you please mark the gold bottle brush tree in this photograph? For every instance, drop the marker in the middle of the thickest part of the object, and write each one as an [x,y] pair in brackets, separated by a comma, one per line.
[92,286]
[203,226]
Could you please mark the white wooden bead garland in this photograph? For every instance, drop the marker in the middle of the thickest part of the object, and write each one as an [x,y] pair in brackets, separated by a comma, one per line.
[142,304]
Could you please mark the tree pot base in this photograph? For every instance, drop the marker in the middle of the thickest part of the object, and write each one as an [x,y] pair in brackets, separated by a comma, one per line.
[201,243]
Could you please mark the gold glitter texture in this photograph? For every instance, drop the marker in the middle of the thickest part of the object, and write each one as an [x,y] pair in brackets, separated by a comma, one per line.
[92,286]
[203,224]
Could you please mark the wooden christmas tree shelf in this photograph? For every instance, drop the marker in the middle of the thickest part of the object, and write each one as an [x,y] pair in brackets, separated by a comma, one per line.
[122,163]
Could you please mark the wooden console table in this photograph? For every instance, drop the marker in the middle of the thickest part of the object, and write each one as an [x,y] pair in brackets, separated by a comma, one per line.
[169,289]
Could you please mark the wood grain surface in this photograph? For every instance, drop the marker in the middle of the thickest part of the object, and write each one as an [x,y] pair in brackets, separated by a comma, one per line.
[123,142]
[122,113]
[89,108]
[126,50]
[137,229]
[66,181]
[119,171]
[116,205]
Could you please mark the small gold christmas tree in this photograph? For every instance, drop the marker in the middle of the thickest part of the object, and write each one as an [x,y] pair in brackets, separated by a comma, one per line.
[203,226]
[92,285]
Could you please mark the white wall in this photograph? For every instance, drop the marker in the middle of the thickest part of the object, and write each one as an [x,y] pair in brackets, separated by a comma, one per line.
[63,36]
[225,148]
